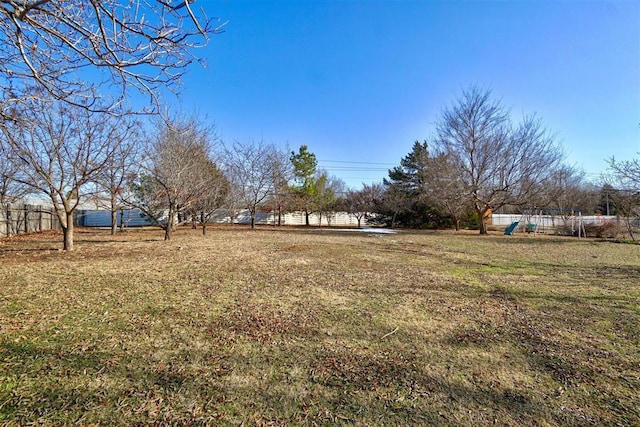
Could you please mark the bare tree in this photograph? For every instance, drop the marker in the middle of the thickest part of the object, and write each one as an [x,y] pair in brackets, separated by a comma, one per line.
[355,205]
[249,167]
[566,190]
[171,178]
[326,195]
[394,202]
[361,203]
[234,200]
[11,190]
[627,171]
[443,188]
[497,163]
[624,177]
[215,188]
[60,149]
[339,189]
[80,50]
[124,162]
[282,173]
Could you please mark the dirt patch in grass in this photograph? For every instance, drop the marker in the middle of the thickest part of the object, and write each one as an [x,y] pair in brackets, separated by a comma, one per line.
[264,323]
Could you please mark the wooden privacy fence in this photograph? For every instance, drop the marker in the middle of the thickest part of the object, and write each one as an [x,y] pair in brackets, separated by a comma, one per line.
[24,218]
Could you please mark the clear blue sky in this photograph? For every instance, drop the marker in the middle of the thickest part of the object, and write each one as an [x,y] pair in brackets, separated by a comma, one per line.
[359,81]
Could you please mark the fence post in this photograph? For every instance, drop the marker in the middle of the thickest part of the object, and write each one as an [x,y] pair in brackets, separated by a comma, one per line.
[26,208]
[4,222]
[9,220]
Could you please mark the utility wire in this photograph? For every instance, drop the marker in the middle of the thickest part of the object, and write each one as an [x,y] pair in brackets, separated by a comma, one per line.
[339,168]
[355,162]
[354,166]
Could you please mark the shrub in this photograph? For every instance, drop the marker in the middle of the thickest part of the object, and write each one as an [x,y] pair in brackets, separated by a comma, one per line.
[605,229]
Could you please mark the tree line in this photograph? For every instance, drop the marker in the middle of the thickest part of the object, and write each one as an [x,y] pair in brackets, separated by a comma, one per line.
[177,170]
[67,73]
[480,161]
[69,131]
[173,170]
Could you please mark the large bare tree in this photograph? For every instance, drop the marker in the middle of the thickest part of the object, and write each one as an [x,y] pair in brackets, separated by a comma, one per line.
[60,149]
[498,163]
[94,53]
[173,177]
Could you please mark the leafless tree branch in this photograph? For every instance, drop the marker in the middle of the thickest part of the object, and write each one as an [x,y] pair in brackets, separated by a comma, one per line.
[95,53]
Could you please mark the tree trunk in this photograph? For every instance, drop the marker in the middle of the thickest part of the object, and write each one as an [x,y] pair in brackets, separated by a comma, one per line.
[306,213]
[67,232]
[204,228]
[627,221]
[169,226]
[483,221]
[253,219]
[359,218]
[114,221]
[121,220]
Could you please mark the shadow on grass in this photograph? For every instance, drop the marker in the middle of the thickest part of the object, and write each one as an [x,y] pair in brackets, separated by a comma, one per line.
[26,357]
[34,250]
[52,385]
[391,388]
[36,380]
[569,344]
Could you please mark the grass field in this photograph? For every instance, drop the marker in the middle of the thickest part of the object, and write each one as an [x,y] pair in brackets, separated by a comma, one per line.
[318,327]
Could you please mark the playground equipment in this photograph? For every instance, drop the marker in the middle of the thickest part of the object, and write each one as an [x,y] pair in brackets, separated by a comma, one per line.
[529,228]
[510,229]
[539,220]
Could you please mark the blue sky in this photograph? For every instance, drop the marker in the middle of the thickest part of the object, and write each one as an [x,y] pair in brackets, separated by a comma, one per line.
[359,81]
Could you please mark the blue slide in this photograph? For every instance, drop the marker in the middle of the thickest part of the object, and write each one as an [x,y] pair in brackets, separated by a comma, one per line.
[509,231]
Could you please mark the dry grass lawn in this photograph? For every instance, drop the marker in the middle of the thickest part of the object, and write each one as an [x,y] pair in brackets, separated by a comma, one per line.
[318,327]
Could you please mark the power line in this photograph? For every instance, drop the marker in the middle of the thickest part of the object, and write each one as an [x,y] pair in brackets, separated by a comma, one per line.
[354,169]
[361,178]
[358,163]
[341,166]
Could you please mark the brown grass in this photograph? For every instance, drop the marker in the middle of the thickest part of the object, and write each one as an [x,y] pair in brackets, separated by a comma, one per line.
[315,327]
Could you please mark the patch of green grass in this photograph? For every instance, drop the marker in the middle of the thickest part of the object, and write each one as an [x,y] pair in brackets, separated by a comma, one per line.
[300,327]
